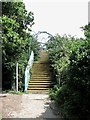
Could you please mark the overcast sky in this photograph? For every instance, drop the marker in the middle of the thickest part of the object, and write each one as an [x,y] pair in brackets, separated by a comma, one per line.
[59,16]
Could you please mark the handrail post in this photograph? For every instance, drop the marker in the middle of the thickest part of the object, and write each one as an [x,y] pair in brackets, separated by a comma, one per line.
[17,77]
[25,80]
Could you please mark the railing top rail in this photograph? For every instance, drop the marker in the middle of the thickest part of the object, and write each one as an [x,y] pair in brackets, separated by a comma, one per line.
[27,71]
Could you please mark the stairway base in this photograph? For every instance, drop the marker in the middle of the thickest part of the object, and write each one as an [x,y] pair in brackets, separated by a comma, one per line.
[38,91]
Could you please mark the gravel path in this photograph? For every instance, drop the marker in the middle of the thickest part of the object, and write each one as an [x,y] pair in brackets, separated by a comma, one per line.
[28,106]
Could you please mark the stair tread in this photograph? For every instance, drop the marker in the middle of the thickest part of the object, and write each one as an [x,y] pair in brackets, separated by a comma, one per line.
[38,88]
[38,85]
[41,77]
[40,82]
[41,73]
[38,91]
[46,75]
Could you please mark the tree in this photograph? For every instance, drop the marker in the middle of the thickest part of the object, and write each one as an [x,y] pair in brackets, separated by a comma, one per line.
[16,40]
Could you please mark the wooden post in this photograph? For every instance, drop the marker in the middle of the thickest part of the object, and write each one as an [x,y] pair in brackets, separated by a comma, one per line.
[17,77]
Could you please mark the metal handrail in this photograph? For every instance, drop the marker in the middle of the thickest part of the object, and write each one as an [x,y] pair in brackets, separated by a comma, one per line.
[27,71]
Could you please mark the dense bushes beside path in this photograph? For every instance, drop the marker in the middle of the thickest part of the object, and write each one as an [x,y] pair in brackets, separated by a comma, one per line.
[70,61]
[17,42]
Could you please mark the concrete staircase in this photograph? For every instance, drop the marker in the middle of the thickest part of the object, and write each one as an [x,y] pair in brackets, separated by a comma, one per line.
[41,78]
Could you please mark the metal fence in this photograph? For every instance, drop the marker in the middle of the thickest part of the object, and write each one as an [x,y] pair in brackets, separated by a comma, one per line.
[28,69]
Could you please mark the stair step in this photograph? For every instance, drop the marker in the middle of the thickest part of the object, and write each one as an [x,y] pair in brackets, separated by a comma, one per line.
[47,83]
[40,68]
[40,64]
[40,77]
[43,82]
[38,88]
[40,73]
[38,91]
[40,80]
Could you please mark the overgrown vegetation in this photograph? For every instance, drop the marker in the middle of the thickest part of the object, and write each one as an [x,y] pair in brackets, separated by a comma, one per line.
[70,61]
[17,42]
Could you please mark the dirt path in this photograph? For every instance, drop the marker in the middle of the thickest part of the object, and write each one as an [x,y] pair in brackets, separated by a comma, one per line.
[28,106]
[11,105]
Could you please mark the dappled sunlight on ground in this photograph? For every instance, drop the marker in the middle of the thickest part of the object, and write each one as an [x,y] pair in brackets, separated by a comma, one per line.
[29,106]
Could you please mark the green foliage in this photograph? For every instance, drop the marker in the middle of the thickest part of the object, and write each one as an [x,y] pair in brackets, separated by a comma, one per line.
[53,92]
[17,43]
[35,46]
[70,61]
[86,29]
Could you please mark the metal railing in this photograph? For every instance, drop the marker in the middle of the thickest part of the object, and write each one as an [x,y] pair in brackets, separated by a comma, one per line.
[27,71]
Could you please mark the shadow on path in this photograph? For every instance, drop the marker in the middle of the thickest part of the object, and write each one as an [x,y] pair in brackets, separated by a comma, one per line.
[51,112]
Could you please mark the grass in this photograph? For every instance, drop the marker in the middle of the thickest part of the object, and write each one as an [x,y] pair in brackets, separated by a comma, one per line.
[15,92]
[0,116]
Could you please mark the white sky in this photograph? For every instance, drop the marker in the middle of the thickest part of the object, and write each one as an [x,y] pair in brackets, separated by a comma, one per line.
[59,16]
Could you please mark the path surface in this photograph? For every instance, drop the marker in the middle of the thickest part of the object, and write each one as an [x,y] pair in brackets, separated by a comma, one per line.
[28,106]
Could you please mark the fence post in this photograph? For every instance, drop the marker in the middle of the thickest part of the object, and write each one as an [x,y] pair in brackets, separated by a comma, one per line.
[59,82]
[17,77]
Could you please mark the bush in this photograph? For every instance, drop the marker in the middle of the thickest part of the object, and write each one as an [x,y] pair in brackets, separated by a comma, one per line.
[70,60]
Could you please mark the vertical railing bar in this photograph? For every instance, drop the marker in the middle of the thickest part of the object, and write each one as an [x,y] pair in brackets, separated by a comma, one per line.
[17,77]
